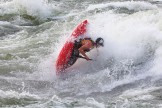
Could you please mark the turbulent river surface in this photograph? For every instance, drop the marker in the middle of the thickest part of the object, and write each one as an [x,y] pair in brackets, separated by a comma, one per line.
[125,73]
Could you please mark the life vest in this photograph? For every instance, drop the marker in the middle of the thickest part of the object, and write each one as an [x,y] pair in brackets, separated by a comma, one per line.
[81,42]
[75,52]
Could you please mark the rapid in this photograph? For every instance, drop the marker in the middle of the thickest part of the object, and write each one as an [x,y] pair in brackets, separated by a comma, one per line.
[125,73]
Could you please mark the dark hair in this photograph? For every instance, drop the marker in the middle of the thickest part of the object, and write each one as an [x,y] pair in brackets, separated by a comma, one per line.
[99,41]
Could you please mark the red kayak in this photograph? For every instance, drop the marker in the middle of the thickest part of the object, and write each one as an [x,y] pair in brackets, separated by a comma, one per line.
[66,52]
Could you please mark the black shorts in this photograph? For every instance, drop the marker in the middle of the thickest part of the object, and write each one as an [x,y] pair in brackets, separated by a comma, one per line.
[75,53]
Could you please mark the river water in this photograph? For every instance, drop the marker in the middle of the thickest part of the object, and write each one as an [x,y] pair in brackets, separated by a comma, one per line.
[125,73]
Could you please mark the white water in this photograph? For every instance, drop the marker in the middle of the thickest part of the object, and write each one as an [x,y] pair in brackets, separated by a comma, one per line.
[125,72]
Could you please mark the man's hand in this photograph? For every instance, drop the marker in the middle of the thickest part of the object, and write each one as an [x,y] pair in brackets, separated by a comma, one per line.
[88,58]
[84,47]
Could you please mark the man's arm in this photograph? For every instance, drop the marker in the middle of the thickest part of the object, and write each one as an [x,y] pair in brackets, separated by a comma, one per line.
[81,50]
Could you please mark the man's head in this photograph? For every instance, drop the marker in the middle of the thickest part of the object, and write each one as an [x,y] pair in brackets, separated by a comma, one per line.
[99,42]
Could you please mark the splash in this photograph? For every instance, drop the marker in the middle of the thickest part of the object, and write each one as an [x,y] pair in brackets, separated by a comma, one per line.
[27,9]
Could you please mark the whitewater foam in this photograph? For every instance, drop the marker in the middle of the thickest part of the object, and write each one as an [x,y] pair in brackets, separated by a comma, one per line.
[36,8]
[130,5]
[14,94]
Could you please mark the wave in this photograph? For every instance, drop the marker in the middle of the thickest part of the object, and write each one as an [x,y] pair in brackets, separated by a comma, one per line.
[130,60]
[26,11]
[11,98]
[131,53]
[7,28]
[23,12]
[123,7]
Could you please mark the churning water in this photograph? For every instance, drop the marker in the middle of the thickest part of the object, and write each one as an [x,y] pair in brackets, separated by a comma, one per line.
[125,73]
